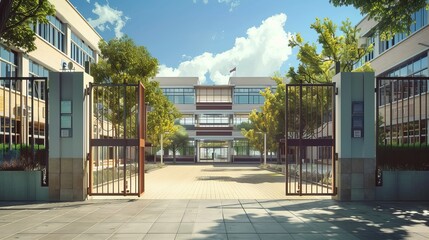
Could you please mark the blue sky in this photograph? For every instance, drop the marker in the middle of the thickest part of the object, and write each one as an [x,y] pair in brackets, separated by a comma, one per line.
[207,38]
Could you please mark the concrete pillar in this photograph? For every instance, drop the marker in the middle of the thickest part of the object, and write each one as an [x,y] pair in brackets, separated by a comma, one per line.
[69,143]
[355,144]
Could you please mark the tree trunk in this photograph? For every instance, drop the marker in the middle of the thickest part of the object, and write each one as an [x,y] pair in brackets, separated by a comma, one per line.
[5,9]
[174,155]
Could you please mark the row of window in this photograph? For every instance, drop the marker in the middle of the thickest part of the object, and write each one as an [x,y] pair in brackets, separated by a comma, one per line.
[420,20]
[415,67]
[180,95]
[53,32]
[212,119]
[80,52]
[187,95]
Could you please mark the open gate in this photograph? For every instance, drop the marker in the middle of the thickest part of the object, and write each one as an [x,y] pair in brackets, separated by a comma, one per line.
[117,139]
[310,139]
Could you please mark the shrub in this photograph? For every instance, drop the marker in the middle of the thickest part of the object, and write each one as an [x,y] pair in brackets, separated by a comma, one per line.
[405,157]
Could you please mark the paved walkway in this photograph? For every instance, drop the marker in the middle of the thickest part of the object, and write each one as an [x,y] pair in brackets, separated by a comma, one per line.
[214,219]
[219,181]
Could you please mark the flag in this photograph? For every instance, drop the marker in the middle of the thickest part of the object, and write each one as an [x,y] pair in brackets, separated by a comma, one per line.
[233,70]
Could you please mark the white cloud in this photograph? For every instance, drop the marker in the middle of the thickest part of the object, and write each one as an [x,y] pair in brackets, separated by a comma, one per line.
[261,53]
[88,1]
[231,3]
[108,16]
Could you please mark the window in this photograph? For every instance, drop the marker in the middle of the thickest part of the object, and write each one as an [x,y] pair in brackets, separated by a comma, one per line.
[215,95]
[180,95]
[80,52]
[248,96]
[420,20]
[53,32]
[213,120]
[38,89]
[8,68]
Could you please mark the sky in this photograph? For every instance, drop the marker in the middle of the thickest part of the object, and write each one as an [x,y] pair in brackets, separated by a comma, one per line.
[209,38]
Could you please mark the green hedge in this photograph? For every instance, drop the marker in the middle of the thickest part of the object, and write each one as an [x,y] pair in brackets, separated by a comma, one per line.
[406,157]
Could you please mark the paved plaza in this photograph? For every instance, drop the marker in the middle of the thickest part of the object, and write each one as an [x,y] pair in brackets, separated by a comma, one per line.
[214,202]
[215,181]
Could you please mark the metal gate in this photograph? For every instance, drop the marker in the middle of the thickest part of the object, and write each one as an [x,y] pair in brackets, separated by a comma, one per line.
[310,139]
[117,139]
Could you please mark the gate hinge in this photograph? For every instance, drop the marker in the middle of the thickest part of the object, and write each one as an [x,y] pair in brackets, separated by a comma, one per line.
[87,91]
[375,90]
[336,156]
[87,157]
[336,91]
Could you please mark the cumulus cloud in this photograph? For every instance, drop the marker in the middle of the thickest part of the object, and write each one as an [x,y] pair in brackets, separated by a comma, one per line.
[261,53]
[231,3]
[107,16]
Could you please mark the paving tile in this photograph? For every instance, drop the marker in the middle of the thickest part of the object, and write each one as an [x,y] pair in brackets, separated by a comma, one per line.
[74,227]
[216,236]
[268,228]
[310,236]
[95,236]
[166,228]
[276,236]
[104,227]
[134,228]
[45,228]
[27,236]
[60,236]
[127,236]
[160,237]
[239,228]
[242,236]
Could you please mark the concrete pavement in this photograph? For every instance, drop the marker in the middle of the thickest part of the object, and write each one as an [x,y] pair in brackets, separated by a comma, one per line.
[214,202]
[214,219]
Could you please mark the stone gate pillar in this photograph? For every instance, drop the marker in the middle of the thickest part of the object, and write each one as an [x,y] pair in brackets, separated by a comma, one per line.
[68,136]
[355,136]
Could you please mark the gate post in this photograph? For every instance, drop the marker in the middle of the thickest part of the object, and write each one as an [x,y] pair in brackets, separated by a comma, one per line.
[355,136]
[68,136]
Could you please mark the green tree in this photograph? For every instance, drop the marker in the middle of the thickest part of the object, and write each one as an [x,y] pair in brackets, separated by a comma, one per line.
[392,16]
[319,67]
[269,119]
[17,18]
[179,139]
[124,62]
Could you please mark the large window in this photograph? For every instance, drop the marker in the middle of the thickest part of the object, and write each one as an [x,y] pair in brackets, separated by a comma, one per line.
[214,95]
[180,95]
[243,148]
[8,67]
[213,120]
[248,96]
[420,20]
[53,32]
[38,89]
[187,120]
[80,51]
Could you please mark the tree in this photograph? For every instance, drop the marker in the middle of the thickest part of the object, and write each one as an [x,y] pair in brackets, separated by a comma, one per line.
[179,139]
[392,16]
[344,50]
[269,120]
[16,18]
[124,62]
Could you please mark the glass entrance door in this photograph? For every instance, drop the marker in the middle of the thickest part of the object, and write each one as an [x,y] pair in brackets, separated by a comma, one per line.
[214,152]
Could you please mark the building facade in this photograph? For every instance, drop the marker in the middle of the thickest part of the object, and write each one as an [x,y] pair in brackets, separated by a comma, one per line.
[402,102]
[66,43]
[213,115]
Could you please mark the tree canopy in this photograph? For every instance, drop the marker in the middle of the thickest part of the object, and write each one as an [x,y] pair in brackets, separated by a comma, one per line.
[122,61]
[319,67]
[392,16]
[178,139]
[16,18]
[269,119]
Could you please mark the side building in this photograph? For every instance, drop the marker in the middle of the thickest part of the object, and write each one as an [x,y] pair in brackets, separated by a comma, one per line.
[212,115]
[66,43]
[403,93]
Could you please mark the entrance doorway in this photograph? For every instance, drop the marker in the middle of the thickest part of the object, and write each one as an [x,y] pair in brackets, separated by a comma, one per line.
[213,152]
